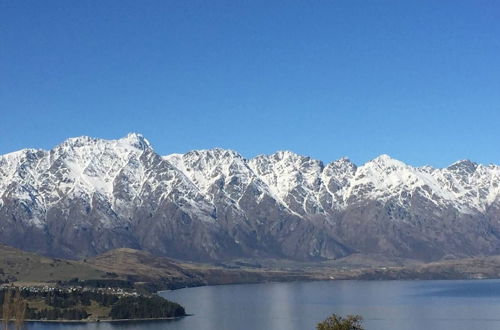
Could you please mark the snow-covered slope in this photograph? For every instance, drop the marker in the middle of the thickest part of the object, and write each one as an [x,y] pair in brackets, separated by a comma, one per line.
[111,193]
[121,172]
[465,186]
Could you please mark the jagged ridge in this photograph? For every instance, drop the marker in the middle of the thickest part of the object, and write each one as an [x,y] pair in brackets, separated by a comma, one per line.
[89,195]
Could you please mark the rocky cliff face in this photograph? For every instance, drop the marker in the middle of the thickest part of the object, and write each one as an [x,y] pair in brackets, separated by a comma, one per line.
[88,195]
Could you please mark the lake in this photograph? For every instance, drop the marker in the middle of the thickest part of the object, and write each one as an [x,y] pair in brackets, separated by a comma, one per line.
[385,305]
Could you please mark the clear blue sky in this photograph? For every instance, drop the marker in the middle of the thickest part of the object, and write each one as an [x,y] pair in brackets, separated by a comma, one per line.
[418,80]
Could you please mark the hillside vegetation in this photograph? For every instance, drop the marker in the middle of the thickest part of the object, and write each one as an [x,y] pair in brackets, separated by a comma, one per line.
[140,270]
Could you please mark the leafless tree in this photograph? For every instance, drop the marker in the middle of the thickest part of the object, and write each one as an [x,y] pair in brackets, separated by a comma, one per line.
[19,310]
[7,309]
[14,308]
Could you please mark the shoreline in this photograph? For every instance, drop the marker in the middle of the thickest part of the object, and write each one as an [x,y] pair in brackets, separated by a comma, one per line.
[335,279]
[339,280]
[109,320]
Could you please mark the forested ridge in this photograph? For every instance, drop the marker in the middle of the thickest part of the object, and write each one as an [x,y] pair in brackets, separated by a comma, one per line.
[78,304]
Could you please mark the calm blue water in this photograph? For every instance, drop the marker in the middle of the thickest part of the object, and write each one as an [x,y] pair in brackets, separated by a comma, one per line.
[386,305]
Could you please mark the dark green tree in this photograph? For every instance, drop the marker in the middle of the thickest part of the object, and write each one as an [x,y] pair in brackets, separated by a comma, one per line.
[145,308]
[335,322]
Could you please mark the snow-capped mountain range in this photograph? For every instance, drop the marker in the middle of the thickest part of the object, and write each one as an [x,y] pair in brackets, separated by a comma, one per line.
[89,195]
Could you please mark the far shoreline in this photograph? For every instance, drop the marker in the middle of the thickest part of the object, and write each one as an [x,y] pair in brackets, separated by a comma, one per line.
[110,320]
[354,279]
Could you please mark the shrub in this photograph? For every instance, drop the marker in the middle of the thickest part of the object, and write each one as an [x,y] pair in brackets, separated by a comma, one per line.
[335,322]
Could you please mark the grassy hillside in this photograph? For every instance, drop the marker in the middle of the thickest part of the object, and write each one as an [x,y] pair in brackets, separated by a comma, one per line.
[140,264]
[21,266]
[168,273]
[144,270]
[139,267]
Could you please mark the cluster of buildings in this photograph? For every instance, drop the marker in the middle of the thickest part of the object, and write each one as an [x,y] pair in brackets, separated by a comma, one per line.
[35,289]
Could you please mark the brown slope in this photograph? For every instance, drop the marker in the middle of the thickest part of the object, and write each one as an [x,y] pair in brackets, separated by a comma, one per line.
[22,266]
[140,264]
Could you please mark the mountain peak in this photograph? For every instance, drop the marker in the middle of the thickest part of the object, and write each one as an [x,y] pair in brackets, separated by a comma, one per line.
[385,160]
[343,160]
[464,166]
[79,141]
[343,164]
[214,153]
[288,155]
[137,140]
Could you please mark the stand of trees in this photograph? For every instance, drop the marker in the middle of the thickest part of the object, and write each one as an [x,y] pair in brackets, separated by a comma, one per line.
[65,299]
[71,305]
[145,307]
[57,314]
